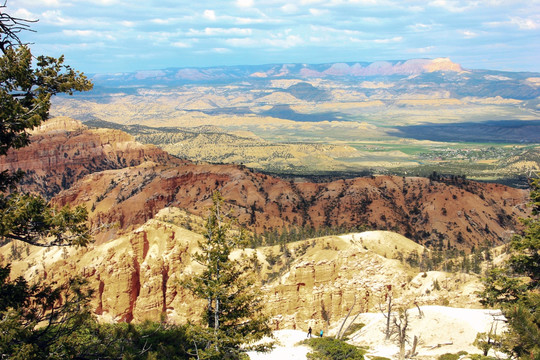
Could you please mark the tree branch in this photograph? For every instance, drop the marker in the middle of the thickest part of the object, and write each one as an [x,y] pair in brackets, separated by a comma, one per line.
[10,27]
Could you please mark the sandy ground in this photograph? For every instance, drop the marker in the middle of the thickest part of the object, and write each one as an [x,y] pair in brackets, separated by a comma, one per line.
[440,330]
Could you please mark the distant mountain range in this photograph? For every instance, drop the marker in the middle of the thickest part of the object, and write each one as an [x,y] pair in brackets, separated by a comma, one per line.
[227,73]
[428,72]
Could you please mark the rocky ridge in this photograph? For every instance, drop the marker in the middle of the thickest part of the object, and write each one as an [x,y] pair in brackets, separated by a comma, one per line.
[454,214]
[124,184]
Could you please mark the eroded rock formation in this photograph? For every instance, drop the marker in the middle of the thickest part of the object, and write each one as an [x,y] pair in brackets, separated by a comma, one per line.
[138,276]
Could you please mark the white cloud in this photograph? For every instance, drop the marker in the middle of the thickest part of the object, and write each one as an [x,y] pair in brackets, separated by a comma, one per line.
[381,3]
[180,44]
[521,23]
[369,2]
[453,5]
[52,3]
[388,40]
[127,23]
[282,40]
[421,27]
[44,3]
[325,34]
[318,12]
[166,21]
[289,8]
[251,21]
[210,15]
[317,39]
[286,42]
[525,24]
[24,14]
[468,34]
[106,2]
[83,33]
[244,3]
[221,50]
[158,36]
[243,42]
[371,20]
[416,9]
[316,29]
[512,3]
[80,46]
[56,17]
[220,32]
[424,50]
[88,34]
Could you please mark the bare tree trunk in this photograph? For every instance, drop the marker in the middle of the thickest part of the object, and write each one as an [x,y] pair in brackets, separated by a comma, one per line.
[401,323]
[412,353]
[196,350]
[344,321]
[388,315]
[420,312]
[348,326]
[388,312]
[216,315]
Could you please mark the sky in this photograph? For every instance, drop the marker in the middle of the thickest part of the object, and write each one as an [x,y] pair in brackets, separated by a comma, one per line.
[109,36]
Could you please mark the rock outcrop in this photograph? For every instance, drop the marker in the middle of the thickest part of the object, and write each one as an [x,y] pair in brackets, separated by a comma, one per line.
[63,150]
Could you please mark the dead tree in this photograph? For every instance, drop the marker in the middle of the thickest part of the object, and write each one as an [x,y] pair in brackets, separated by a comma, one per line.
[412,352]
[364,308]
[420,312]
[490,340]
[388,311]
[399,330]
[10,27]
[339,335]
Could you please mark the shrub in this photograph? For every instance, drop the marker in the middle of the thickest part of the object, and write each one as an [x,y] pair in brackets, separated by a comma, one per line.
[481,357]
[448,356]
[333,349]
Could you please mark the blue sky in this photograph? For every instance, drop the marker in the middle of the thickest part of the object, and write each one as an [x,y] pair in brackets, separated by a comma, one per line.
[98,36]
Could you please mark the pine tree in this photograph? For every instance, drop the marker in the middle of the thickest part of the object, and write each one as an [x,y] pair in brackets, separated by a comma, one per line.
[525,259]
[234,310]
[27,84]
[516,287]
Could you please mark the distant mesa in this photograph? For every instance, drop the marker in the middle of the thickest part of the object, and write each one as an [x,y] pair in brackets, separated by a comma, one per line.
[409,67]
[307,92]
[276,71]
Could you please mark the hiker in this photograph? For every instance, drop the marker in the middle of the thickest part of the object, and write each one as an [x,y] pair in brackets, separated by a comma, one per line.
[321,333]
[309,332]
